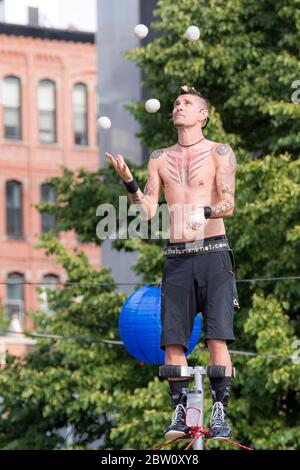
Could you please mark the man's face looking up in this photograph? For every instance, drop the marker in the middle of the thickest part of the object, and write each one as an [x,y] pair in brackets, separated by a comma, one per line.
[189,110]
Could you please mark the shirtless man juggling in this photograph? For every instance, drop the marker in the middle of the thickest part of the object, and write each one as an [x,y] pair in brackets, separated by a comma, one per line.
[198,174]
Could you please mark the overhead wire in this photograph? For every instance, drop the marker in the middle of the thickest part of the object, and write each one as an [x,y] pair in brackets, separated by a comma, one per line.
[89,339]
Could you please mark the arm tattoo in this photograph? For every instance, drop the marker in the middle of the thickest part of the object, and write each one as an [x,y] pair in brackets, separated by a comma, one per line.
[226,177]
[225,180]
[226,150]
[232,160]
[150,187]
[137,200]
[156,154]
[222,207]
[149,190]
[223,149]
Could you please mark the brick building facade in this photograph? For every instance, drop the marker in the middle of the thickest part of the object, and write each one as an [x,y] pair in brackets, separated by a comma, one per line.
[47,119]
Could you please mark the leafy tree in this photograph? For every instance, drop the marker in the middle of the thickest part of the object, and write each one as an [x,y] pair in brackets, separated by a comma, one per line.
[245,62]
[66,386]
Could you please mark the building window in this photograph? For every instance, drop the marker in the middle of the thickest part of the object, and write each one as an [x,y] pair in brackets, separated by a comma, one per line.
[80,114]
[47,111]
[15,295]
[50,281]
[48,195]
[14,216]
[12,108]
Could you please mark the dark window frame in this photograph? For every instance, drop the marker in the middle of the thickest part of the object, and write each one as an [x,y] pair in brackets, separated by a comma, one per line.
[48,221]
[9,134]
[50,113]
[81,139]
[14,215]
[15,303]
[44,294]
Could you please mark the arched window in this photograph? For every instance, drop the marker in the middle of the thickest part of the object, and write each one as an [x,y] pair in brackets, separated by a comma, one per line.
[47,111]
[12,108]
[14,210]
[80,114]
[48,194]
[50,281]
[15,295]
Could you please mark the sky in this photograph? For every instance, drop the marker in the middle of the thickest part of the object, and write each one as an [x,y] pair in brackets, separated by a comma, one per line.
[54,13]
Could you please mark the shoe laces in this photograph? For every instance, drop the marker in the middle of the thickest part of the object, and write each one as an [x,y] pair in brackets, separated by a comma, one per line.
[217,415]
[179,415]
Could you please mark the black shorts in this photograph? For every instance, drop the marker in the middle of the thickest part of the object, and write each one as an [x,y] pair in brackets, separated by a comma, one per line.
[193,283]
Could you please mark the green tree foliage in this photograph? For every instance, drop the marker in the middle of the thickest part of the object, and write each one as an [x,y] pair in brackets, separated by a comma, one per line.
[245,62]
[66,386]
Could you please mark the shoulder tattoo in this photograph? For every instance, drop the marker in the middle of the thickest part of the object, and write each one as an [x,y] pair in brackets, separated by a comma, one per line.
[223,149]
[156,154]
[226,150]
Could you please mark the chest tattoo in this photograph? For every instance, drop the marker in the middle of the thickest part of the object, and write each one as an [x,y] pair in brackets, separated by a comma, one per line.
[184,171]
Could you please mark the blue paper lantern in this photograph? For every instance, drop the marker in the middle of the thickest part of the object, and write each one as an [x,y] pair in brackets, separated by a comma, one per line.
[140,326]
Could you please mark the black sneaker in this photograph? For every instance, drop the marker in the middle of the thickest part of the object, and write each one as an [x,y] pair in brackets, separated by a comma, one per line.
[219,428]
[177,428]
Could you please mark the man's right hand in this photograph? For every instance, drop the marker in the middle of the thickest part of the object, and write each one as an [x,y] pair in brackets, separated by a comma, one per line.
[196,220]
[120,166]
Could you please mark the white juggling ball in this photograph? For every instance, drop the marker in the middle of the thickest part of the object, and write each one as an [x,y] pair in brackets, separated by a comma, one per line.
[192,33]
[196,219]
[140,31]
[104,122]
[152,105]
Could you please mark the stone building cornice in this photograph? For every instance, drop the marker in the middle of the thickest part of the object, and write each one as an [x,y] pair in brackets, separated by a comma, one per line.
[46,33]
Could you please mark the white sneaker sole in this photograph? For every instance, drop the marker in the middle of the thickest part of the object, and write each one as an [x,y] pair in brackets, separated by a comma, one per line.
[171,435]
[219,438]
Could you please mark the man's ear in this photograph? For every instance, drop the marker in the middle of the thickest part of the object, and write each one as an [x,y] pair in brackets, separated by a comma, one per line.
[203,114]
[206,123]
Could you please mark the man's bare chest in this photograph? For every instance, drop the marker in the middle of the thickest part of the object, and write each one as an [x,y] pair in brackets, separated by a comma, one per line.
[194,170]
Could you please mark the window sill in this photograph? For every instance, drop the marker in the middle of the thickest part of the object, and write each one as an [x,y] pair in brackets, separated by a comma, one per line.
[84,148]
[15,239]
[18,142]
[55,147]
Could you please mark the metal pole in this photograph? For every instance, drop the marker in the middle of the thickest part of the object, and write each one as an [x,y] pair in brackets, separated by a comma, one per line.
[199,385]
[195,396]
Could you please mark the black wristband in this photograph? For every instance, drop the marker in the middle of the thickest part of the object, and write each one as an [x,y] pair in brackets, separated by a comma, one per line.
[132,186]
[207,212]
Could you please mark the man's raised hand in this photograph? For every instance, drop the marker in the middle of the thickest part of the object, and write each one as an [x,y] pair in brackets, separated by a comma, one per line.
[120,166]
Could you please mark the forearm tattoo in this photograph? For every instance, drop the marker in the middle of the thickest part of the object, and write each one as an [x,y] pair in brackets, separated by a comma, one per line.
[139,197]
[151,186]
[222,208]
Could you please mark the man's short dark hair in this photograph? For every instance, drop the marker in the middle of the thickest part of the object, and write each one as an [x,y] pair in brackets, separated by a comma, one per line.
[190,90]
